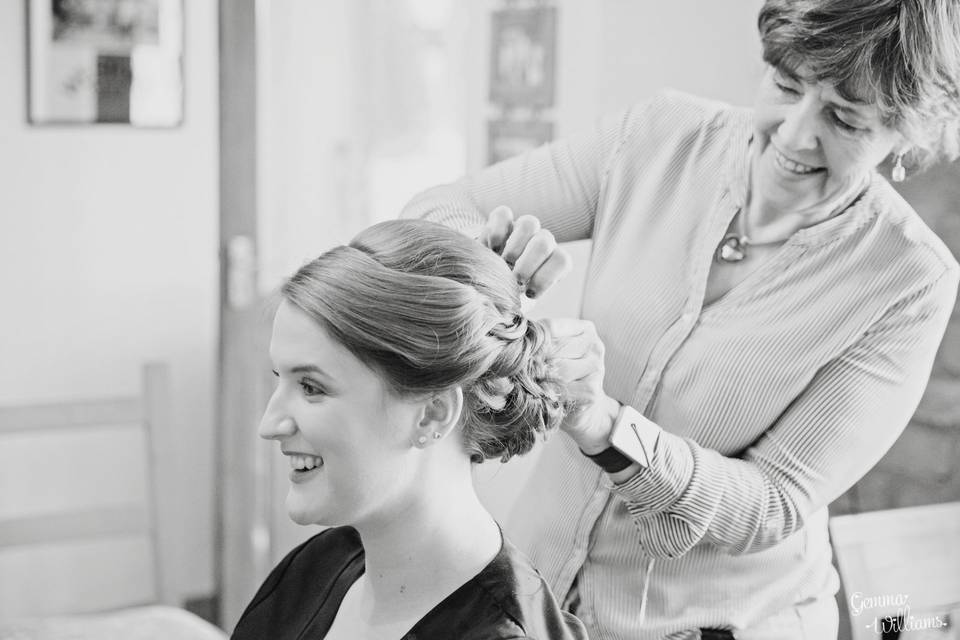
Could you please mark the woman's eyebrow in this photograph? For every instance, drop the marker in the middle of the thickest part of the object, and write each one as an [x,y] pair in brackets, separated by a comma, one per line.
[850,110]
[849,106]
[309,368]
[788,73]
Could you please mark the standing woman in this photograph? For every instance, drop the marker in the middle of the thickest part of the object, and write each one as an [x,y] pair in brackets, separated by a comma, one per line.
[402,360]
[761,315]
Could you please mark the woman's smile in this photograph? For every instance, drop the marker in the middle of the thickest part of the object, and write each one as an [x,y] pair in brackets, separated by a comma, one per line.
[793,166]
[304,467]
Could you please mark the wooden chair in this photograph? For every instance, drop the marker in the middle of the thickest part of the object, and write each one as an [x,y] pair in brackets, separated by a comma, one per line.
[79,525]
[901,564]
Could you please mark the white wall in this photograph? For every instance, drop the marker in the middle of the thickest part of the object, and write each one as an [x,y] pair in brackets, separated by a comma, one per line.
[108,258]
[706,48]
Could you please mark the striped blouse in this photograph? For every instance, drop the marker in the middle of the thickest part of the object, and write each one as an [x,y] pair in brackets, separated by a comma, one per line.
[774,399]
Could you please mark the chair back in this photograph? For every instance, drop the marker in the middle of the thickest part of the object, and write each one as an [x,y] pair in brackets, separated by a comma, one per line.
[901,566]
[79,530]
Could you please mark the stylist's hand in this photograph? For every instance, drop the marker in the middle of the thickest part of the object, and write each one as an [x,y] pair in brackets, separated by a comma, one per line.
[530,250]
[578,358]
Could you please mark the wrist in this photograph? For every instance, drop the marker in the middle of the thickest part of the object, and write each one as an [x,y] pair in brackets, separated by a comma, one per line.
[597,439]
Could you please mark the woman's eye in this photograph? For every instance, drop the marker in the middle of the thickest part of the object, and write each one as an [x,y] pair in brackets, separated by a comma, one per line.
[846,126]
[786,89]
[310,388]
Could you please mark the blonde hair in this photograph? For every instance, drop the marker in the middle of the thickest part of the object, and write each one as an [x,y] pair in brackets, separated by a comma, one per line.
[429,309]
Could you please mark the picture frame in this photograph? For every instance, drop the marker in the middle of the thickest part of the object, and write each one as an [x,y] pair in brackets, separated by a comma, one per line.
[508,138]
[523,56]
[105,61]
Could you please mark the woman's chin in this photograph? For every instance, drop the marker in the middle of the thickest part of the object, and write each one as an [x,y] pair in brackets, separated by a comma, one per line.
[787,192]
[300,518]
[302,513]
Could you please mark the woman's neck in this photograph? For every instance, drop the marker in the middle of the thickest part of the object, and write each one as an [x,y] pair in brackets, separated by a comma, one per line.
[772,222]
[426,550]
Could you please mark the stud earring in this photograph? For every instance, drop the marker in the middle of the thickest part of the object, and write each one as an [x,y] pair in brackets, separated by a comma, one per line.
[422,440]
[898,173]
[437,435]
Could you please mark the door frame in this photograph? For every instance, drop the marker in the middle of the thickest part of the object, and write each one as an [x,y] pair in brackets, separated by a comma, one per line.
[242,488]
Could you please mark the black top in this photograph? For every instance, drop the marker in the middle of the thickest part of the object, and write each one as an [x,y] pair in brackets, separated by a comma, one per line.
[301,596]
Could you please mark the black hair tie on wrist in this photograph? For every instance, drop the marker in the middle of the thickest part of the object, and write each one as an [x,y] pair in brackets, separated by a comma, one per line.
[610,460]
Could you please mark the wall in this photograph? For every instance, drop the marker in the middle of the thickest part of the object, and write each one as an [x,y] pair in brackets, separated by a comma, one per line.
[614,52]
[108,242]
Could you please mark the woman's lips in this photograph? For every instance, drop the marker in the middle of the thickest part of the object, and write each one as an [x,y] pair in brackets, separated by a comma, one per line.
[303,475]
[794,167]
[303,466]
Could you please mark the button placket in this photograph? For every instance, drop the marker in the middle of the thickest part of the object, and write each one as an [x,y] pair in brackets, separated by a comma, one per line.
[581,540]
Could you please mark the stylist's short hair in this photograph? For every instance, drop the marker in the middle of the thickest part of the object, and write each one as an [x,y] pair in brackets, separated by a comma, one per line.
[428,309]
[901,55]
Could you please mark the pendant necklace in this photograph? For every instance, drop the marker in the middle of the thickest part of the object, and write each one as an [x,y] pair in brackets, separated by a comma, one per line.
[733,247]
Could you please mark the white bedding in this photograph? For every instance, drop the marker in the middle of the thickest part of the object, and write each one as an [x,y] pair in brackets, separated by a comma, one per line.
[139,623]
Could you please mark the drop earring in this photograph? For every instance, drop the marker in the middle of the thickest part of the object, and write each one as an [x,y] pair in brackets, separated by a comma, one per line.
[898,173]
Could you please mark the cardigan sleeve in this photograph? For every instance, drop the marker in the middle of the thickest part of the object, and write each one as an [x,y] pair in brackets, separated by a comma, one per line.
[847,418]
[559,183]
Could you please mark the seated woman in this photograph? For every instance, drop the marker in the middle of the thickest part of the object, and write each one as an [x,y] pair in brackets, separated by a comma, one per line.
[402,360]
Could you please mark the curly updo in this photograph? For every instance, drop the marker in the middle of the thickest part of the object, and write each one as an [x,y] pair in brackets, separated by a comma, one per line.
[430,309]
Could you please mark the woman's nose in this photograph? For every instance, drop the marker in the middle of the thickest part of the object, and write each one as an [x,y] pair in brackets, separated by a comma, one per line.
[798,130]
[276,424]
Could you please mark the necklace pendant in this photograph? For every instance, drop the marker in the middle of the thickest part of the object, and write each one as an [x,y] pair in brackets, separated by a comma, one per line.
[733,248]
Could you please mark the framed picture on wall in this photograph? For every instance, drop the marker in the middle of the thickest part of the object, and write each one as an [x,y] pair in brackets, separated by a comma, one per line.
[508,138]
[523,55]
[105,61]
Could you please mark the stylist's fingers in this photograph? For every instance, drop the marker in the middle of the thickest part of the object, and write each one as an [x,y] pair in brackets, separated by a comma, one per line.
[562,328]
[524,228]
[581,370]
[550,272]
[497,229]
[572,347]
[535,254]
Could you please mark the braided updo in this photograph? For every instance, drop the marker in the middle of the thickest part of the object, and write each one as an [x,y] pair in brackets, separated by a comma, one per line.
[430,309]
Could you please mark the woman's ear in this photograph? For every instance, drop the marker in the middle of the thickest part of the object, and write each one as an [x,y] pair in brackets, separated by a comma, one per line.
[440,415]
